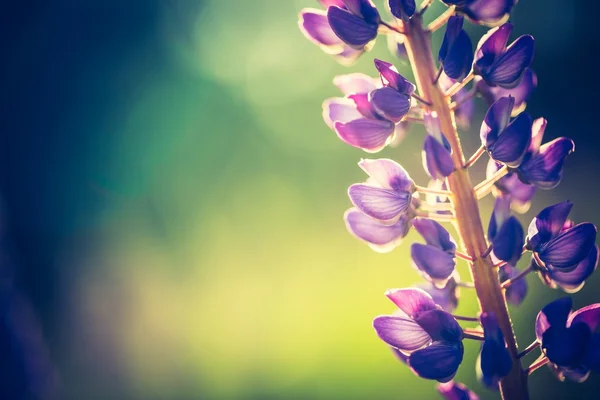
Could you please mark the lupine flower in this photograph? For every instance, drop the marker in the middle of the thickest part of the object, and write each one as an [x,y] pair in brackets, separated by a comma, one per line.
[466,108]
[560,246]
[315,27]
[356,22]
[354,119]
[542,165]
[456,391]
[437,156]
[510,185]
[402,9]
[516,292]
[506,141]
[435,259]
[429,336]
[521,92]
[393,100]
[498,64]
[381,238]
[446,297]
[569,339]
[456,52]
[485,12]
[505,232]
[569,281]
[494,361]
[387,195]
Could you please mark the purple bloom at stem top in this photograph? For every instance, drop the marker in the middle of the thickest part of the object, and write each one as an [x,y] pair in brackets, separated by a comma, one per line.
[506,141]
[456,52]
[542,165]
[519,193]
[516,292]
[315,27]
[356,22]
[456,391]
[381,238]
[564,253]
[436,154]
[387,195]
[420,329]
[485,12]
[569,339]
[521,92]
[494,360]
[435,260]
[402,9]
[500,65]
[505,232]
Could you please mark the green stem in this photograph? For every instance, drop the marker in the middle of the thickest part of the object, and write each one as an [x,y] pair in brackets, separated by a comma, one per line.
[468,221]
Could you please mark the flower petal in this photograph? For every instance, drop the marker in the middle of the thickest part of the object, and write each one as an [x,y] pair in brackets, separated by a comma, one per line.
[496,120]
[381,238]
[492,45]
[456,391]
[382,204]
[555,313]
[494,360]
[434,234]
[437,264]
[402,9]
[411,301]
[573,280]
[437,159]
[353,30]
[355,83]
[390,103]
[367,134]
[565,346]
[547,224]
[438,361]
[390,77]
[440,325]
[401,332]
[388,174]
[456,52]
[315,27]
[488,12]
[508,244]
[446,297]
[521,92]
[589,315]
[569,247]
[546,168]
[511,65]
[513,142]
[339,110]
[516,292]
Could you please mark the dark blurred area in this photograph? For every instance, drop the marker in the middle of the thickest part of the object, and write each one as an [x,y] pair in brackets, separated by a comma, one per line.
[70,72]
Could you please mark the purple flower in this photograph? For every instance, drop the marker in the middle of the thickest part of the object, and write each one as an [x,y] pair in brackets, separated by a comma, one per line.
[569,339]
[516,292]
[500,65]
[506,141]
[543,165]
[505,232]
[569,281]
[435,260]
[392,101]
[315,27]
[521,92]
[381,238]
[456,52]
[437,153]
[353,117]
[387,195]
[430,337]
[402,9]
[510,185]
[560,247]
[485,12]
[356,22]
[456,391]
[466,108]
[445,297]
[494,361]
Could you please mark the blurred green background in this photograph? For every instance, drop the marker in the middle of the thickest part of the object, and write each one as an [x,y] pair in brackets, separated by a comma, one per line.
[173,203]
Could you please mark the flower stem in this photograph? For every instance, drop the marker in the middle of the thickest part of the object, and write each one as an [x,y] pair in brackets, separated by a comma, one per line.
[528,349]
[467,285]
[391,27]
[439,192]
[459,85]
[441,20]
[422,100]
[464,256]
[515,278]
[435,216]
[540,362]
[461,318]
[468,221]
[467,335]
[483,186]
[424,6]
[474,157]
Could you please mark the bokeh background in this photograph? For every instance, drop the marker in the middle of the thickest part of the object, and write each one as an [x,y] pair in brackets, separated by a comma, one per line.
[171,213]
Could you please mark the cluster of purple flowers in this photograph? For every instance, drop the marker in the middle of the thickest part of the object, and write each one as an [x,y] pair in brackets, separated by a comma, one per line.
[375,112]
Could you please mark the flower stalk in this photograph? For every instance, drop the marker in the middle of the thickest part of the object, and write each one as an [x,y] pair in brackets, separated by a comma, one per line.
[468,221]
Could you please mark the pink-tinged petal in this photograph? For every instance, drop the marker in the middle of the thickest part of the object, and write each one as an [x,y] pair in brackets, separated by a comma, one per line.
[363,105]
[364,9]
[355,83]
[589,315]
[573,281]
[570,247]
[438,361]
[327,3]
[492,45]
[381,238]
[537,134]
[390,77]
[338,109]
[315,27]
[389,103]
[388,174]
[352,29]
[367,134]
[555,313]
[456,391]
[382,204]
[401,332]
[411,301]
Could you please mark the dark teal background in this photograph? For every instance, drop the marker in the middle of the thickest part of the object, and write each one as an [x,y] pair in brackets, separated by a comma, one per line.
[172,203]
